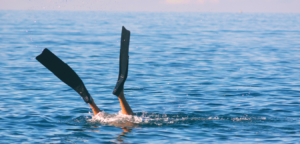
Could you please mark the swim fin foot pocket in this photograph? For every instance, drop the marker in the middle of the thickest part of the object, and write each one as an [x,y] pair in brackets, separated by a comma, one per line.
[124,60]
[65,73]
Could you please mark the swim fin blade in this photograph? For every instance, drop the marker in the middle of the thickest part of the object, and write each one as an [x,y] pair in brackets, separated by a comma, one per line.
[64,72]
[124,60]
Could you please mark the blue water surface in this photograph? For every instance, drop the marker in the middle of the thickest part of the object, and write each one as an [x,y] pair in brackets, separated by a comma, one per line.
[193,77]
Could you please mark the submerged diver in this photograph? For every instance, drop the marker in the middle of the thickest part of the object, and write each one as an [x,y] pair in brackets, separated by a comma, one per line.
[65,73]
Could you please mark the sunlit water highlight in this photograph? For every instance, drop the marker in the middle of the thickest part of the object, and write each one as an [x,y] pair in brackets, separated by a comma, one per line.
[193,77]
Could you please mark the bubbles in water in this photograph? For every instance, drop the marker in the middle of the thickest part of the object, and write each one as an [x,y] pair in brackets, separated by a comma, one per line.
[152,119]
[213,118]
[118,118]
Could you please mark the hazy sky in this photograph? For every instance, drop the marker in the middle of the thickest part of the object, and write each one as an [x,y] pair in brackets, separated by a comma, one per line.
[261,6]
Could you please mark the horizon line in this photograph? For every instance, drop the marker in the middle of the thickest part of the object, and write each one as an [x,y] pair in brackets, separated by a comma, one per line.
[239,12]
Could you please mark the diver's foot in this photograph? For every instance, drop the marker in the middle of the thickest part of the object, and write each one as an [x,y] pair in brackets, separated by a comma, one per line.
[119,87]
[124,60]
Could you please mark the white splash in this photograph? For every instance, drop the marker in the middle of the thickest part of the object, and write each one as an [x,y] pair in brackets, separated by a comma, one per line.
[248,118]
[213,118]
[104,117]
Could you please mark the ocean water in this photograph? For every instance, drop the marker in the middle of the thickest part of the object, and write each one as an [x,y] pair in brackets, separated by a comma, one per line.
[193,77]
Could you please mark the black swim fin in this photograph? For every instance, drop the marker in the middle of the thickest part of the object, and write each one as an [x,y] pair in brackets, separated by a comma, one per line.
[124,60]
[64,72]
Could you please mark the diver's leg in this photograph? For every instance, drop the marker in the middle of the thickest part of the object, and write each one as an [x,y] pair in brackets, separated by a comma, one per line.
[66,74]
[124,105]
[94,107]
[123,72]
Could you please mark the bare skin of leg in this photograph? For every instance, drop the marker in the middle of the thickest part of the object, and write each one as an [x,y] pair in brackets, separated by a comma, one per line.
[94,107]
[124,106]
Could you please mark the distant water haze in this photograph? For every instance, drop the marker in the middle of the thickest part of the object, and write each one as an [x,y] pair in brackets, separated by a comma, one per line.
[232,6]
